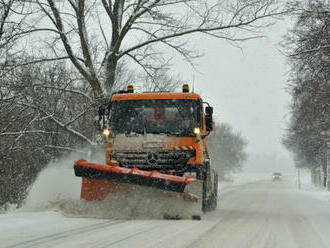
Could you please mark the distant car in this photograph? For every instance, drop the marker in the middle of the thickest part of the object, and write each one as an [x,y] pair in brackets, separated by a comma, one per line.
[277,176]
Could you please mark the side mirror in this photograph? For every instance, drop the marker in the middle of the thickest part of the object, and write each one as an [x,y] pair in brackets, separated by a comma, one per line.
[209,118]
[209,110]
[209,123]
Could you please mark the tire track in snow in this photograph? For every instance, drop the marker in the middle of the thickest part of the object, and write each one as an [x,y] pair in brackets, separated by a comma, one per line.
[162,234]
[64,234]
[116,242]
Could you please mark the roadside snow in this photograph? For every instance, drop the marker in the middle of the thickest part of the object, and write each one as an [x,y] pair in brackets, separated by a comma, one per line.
[308,188]
[243,178]
[237,179]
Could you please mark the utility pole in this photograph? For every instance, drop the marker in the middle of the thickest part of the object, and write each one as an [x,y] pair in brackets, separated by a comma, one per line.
[298,179]
[326,135]
[328,165]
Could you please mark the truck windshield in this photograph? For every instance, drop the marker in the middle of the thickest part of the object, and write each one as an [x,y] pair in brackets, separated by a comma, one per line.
[172,117]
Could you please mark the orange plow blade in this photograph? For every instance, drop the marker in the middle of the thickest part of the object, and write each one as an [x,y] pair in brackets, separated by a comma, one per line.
[191,188]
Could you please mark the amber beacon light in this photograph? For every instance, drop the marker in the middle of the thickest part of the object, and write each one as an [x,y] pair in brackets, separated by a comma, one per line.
[185,88]
[130,88]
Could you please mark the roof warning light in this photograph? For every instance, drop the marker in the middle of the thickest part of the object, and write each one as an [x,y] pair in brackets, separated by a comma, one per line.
[130,88]
[185,88]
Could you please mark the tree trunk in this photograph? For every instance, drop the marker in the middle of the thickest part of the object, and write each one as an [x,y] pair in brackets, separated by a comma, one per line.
[111,67]
[324,168]
[112,59]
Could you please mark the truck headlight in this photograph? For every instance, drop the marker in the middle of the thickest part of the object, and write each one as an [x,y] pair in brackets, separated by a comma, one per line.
[106,132]
[197,131]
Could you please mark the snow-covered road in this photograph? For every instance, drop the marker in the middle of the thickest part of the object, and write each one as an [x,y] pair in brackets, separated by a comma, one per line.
[260,214]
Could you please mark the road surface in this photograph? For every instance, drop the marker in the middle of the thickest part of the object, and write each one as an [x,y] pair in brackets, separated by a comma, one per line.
[261,214]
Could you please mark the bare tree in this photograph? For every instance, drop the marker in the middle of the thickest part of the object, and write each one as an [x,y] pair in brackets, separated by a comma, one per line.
[14,25]
[227,149]
[108,31]
[308,50]
[77,31]
[161,80]
[48,116]
[9,30]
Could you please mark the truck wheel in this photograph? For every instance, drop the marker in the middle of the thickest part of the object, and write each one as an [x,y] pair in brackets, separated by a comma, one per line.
[206,201]
[215,191]
[212,203]
[214,198]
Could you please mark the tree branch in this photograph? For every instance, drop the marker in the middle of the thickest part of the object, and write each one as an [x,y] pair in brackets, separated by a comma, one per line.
[195,30]
[60,124]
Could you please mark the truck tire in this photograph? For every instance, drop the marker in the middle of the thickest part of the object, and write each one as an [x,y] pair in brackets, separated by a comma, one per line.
[206,200]
[205,204]
[210,203]
[214,197]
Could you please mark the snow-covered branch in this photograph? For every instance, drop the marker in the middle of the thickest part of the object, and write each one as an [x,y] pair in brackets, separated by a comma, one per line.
[310,50]
[205,30]
[60,124]
[26,132]
[66,149]
[65,90]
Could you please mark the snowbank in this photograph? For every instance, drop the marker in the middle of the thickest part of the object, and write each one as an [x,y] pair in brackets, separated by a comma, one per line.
[308,188]
[236,179]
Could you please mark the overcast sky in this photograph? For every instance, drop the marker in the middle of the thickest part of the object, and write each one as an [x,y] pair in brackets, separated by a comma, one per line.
[247,88]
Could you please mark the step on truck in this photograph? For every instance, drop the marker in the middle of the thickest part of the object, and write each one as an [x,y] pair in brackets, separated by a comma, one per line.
[154,139]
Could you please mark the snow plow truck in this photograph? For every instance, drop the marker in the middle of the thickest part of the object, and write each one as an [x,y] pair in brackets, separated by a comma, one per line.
[157,140]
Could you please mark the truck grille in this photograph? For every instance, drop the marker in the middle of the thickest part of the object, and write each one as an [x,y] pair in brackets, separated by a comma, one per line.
[152,159]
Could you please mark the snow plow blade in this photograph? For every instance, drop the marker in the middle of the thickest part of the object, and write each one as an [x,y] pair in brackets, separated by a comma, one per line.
[191,188]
